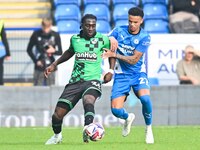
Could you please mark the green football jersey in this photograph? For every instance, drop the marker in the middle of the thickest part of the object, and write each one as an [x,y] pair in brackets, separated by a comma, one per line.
[87,65]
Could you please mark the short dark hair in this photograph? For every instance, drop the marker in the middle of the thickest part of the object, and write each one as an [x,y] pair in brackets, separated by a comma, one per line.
[88,16]
[136,11]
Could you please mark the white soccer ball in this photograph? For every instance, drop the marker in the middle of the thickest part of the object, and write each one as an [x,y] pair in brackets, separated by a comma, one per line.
[95,131]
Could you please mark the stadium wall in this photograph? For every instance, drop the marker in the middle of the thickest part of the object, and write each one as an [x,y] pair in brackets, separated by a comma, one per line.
[33,106]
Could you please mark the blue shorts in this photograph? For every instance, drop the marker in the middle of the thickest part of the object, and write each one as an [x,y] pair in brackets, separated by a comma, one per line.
[123,83]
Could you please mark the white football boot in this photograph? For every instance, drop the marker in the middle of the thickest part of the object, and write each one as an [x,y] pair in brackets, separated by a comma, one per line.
[55,139]
[85,136]
[127,124]
[149,135]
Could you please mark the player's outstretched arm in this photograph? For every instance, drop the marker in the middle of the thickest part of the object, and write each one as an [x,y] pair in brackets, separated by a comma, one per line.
[129,59]
[64,57]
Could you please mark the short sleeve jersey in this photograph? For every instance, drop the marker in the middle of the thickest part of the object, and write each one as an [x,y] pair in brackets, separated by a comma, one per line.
[127,44]
[87,65]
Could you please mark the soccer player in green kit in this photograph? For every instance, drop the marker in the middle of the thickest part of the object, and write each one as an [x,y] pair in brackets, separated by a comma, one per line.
[85,81]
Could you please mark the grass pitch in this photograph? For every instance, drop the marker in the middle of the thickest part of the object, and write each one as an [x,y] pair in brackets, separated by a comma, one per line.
[166,138]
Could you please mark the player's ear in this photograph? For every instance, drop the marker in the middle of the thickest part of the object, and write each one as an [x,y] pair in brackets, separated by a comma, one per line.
[141,21]
[81,26]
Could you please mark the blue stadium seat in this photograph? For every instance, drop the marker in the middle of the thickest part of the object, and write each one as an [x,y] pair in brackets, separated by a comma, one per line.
[68,11]
[61,2]
[106,2]
[155,11]
[156,26]
[101,11]
[121,22]
[153,81]
[68,26]
[165,2]
[121,11]
[136,2]
[103,26]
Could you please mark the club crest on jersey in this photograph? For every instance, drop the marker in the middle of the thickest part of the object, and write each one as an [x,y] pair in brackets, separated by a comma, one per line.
[94,41]
[136,41]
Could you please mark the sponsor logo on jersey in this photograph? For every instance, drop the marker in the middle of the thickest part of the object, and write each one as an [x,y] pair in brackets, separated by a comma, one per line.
[86,56]
[94,41]
[145,43]
[126,49]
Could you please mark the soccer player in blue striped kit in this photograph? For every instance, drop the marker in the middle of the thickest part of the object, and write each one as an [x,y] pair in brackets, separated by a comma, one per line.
[133,43]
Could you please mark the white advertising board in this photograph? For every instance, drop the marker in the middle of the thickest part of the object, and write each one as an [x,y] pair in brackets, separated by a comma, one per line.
[163,54]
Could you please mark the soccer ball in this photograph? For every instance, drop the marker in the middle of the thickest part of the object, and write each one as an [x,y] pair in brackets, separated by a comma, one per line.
[95,131]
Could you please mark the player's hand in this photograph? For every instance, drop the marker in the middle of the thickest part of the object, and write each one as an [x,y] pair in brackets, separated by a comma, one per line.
[113,44]
[49,70]
[108,53]
[108,77]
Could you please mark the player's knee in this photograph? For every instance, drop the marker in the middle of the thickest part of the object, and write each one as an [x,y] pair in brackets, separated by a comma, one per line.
[88,99]
[145,99]
[56,119]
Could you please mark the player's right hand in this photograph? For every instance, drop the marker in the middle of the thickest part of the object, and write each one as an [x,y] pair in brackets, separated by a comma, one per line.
[49,70]
[113,44]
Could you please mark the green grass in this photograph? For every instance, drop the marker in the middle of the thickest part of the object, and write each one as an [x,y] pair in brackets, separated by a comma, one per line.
[166,138]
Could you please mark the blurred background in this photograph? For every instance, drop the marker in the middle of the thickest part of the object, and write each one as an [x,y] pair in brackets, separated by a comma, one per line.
[22,104]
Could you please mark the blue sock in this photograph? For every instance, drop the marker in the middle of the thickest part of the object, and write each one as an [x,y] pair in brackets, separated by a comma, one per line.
[119,113]
[146,108]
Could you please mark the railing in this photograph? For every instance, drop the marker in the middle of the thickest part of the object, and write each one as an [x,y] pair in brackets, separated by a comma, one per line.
[20,67]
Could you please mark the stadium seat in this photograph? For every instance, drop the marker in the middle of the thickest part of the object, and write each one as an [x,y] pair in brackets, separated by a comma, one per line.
[121,22]
[103,26]
[61,2]
[68,11]
[101,11]
[121,11]
[68,26]
[165,2]
[155,11]
[106,2]
[136,2]
[156,26]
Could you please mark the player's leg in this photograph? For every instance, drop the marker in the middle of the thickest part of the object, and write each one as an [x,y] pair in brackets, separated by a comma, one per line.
[91,94]
[118,110]
[66,103]
[57,119]
[143,92]
[147,114]
[120,91]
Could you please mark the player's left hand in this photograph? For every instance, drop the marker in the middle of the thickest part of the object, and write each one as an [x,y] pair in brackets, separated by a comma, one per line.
[108,77]
[108,53]
[49,70]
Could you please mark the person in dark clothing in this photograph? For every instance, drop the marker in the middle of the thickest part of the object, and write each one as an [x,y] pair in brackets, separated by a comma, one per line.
[47,43]
[184,16]
[4,42]
[192,6]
